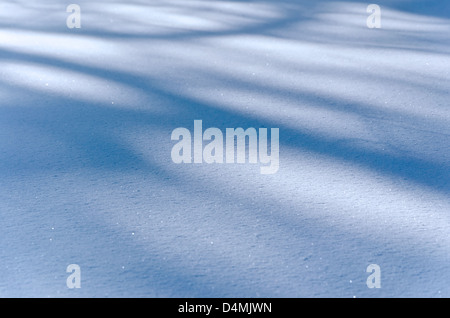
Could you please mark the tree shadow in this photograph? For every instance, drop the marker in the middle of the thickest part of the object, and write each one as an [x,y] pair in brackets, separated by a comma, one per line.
[94,132]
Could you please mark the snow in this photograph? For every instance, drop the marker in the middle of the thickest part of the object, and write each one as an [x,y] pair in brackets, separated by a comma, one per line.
[86,175]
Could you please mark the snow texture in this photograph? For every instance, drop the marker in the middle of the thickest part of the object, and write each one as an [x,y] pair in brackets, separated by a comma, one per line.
[86,175]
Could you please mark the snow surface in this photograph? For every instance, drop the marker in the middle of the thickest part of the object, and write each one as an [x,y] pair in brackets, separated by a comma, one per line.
[86,175]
